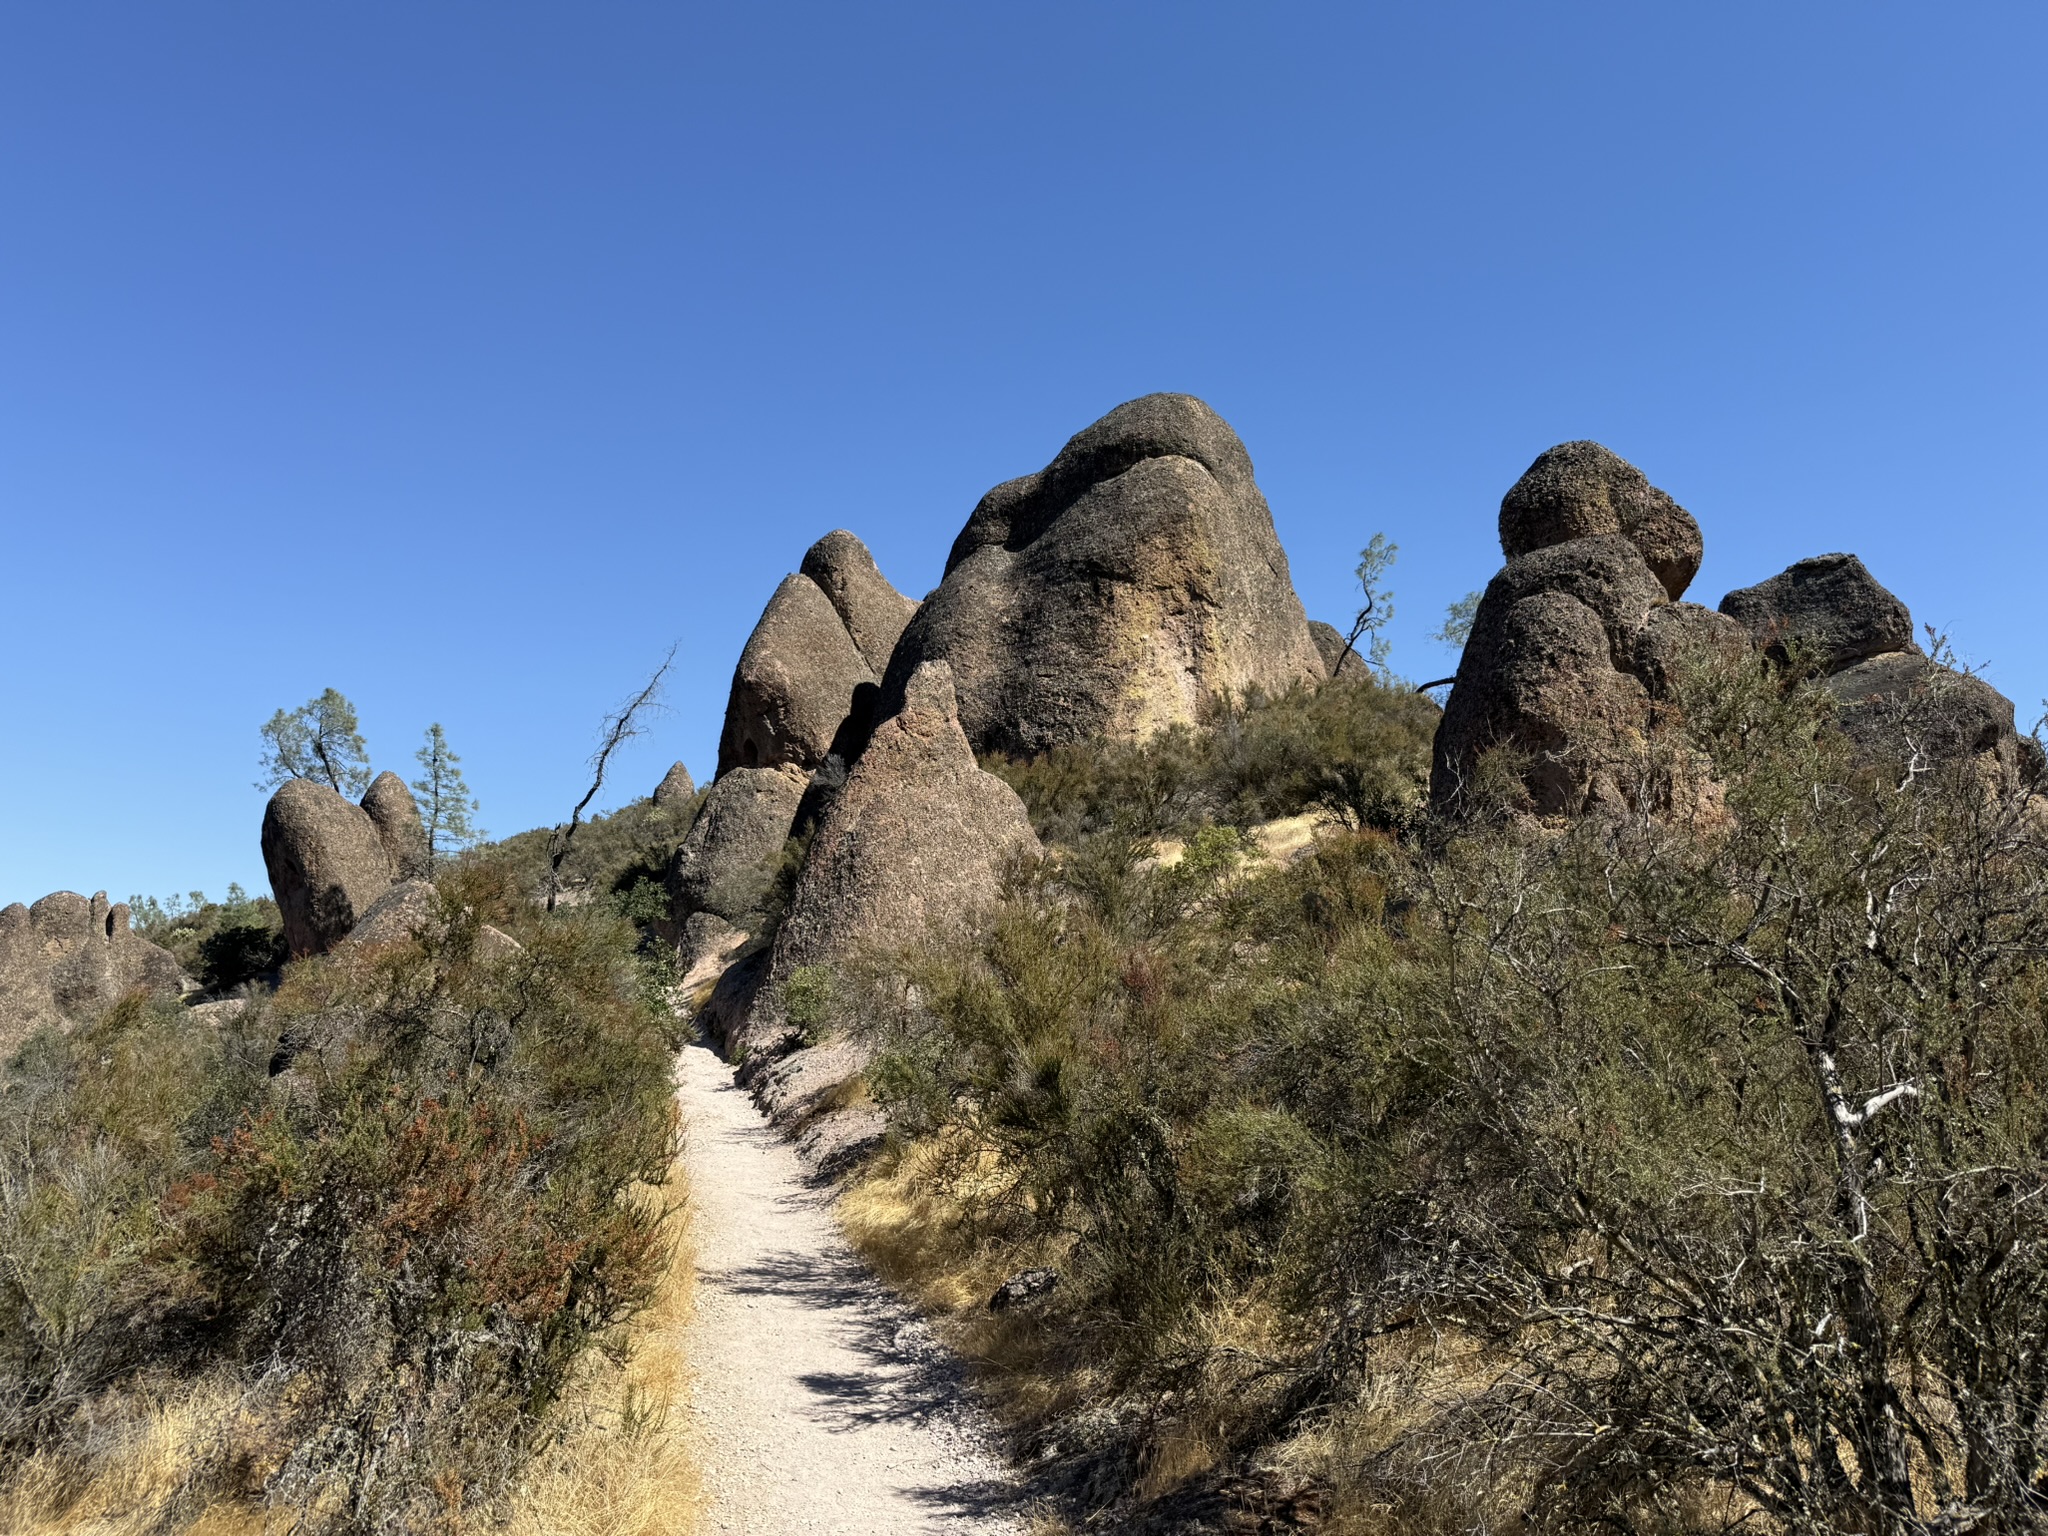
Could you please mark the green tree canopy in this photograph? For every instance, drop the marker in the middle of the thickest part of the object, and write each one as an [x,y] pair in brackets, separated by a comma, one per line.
[319,741]
[446,806]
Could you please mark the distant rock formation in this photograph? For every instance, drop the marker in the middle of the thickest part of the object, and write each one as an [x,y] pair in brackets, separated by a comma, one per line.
[805,684]
[918,836]
[1830,615]
[67,957]
[396,815]
[328,863]
[676,789]
[726,863]
[1339,659]
[1117,591]
[1573,639]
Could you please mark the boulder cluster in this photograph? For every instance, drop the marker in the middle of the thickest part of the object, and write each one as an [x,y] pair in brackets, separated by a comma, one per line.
[69,956]
[1573,646]
[332,863]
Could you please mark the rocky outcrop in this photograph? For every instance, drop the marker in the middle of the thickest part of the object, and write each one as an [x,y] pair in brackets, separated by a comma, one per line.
[918,837]
[328,864]
[873,612]
[1582,490]
[396,816]
[67,957]
[1117,591]
[726,863]
[676,789]
[805,684]
[403,912]
[1832,618]
[1577,636]
[1829,611]
[1339,659]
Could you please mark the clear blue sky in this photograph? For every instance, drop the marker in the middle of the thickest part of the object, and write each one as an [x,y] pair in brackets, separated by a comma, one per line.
[464,356]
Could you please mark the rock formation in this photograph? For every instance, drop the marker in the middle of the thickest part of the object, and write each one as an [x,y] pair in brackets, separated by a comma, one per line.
[919,835]
[1574,638]
[1131,581]
[1830,616]
[805,683]
[396,815]
[1339,660]
[328,863]
[726,863]
[676,789]
[66,957]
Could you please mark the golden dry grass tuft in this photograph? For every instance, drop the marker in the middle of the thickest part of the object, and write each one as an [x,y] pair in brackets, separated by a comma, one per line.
[622,1464]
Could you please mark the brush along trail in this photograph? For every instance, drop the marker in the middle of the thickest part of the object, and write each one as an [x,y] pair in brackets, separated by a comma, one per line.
[821,1402]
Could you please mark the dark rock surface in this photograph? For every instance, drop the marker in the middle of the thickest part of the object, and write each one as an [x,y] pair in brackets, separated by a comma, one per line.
[69,956]
[396,814]
[1582,490]
[327,862]
[1024,1287]
[1116,591]
[1829,609]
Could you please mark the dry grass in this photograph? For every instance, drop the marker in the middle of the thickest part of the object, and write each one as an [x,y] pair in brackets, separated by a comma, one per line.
[622,1465]
[155,1454]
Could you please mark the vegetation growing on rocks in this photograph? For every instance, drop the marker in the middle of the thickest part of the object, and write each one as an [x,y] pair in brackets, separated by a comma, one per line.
[1624,1174]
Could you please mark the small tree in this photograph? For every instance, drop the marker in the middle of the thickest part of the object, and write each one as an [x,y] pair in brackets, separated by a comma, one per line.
[446,806]
[1458,621]
[620,727]
[1374,561]
[319,741]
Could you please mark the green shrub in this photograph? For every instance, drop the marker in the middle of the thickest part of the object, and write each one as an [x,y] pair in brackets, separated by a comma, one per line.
[1647,1176]
[400,1245]
[222,944]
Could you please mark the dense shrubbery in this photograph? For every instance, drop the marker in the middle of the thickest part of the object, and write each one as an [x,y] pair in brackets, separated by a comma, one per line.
[1626,1176]
[381,1264]
[615,854]
[221,944]
[1356,748]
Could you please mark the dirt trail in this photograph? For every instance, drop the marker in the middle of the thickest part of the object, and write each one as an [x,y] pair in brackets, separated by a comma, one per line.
[822,1403]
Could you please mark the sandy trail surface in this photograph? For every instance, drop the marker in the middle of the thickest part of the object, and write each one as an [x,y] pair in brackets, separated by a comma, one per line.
[821,1402]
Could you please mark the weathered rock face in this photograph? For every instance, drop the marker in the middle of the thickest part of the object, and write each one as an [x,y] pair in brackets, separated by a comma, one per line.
[1339,660]
[327,861]
[676,789]
[1829,609]
[396,815]
[67,957]
[918,836]
[727,862]
[1576,639]
[1116,591]
[1582,490]
[805,685]
[873,612]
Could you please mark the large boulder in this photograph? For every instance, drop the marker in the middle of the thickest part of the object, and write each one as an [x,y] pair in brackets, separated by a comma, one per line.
[873,612]
[1119,590]
[805,686]
[1581,490]
[67,957]
[327,861]
[727,862]
[1829,610]
[396,816]
[917,838]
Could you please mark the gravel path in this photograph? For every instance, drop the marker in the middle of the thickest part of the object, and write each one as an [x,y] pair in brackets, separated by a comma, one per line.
[822,1404]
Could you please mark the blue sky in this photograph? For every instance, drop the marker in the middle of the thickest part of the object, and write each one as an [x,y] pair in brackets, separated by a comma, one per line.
[465,356]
